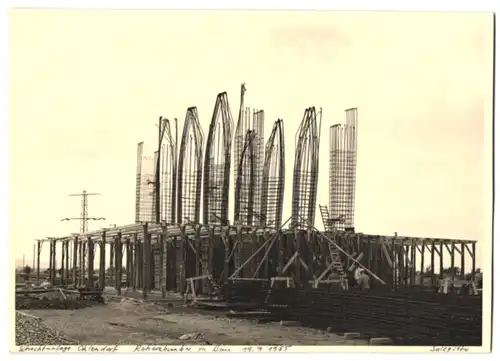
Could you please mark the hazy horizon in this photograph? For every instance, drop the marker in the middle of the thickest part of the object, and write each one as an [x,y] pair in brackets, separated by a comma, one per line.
[87,85]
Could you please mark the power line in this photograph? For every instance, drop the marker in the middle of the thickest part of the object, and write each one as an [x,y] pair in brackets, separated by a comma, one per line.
[84,218]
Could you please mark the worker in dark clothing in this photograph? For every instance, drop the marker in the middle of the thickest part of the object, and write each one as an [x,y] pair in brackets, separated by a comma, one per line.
[363,280]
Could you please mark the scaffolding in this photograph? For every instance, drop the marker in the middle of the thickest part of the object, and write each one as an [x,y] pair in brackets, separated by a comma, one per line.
[342,177]
[273,178]
[249,163]
[144,193]
[305,173]
[190,169]
[168,180]
[138,179]
[218,164]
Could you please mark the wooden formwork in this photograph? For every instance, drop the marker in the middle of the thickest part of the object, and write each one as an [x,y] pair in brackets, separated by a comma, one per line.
[163,257]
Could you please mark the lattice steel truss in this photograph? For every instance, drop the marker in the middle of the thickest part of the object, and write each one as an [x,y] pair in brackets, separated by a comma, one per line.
[273,178]
[168,180]
[342,178]
[305,172]
[249,162]
[218,164]
[190,169]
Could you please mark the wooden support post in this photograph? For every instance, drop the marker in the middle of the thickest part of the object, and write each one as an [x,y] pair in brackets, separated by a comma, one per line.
[227,243]
[78,256]
[422,263]
[163,269]
[433,265]
[441,264]
[298,244]
[82,265]
[197,257]
[140,266]
[54,262]
[66,246]
[310,253]
[452,255]
[115,263]
[111,263]
[118,263]
[38,251]
[90,281]
[473,246]
[237,261]
[75,261]
[462,260]
[63,263]
[402,264]
[50,261]
[395,266]
[172,272]
[369,247]
[281,251]
[152,261]
[210,256]
[254,245]
[413,261]
[379,261]
[146,270]
[128,264]
[259,240]
[102,261]
[406,270]
[182,261]
[135,265]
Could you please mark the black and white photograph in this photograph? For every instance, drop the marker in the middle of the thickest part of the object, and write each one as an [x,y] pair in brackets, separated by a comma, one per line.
[250,180]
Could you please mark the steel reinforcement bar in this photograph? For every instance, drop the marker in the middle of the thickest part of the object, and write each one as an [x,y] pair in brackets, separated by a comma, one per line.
[218,164]
[190,169]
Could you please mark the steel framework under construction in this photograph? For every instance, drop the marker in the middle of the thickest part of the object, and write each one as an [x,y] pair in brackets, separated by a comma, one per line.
[305,172]
[180,252]
[248,165]
[168,181]
[190,169]
[273,178]
[342,176]
[218,164]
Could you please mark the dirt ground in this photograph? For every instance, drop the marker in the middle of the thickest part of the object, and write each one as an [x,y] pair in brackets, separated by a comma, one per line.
[131,322]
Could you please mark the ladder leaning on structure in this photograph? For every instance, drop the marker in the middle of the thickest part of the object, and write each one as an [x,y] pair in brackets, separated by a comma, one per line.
[336,267]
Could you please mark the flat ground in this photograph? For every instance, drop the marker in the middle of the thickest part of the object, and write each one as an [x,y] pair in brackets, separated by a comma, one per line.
[130,322]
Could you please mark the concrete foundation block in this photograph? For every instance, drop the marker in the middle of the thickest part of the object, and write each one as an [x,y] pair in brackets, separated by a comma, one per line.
[380,341]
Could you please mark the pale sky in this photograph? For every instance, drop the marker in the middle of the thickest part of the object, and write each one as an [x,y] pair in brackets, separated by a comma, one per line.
[87,86]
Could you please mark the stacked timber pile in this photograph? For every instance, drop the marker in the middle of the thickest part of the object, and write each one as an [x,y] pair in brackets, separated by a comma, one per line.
[410,319]
[31,331]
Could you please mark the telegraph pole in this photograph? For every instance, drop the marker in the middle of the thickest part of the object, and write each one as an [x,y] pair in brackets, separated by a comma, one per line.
[84,218]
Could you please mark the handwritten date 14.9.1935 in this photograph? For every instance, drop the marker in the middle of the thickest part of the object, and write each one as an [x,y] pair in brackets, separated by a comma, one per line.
[281,348]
